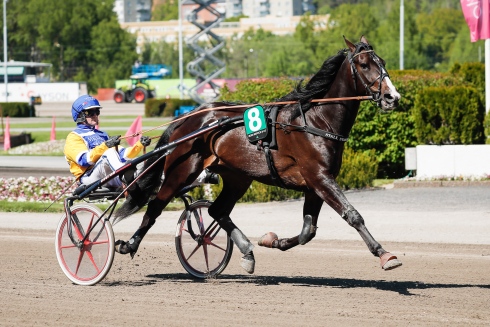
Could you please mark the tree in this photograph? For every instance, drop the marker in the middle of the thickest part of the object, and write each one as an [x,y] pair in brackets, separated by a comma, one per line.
[166,11]
[62,33]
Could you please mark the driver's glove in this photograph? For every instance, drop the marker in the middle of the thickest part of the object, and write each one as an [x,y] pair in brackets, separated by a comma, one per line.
[113,141]
[145,140]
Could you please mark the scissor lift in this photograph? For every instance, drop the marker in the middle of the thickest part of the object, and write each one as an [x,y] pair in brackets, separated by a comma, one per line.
[206,66]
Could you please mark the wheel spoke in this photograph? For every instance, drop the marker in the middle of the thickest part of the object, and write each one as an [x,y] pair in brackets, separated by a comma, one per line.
[91,257]
[216,246]
[194,251]
[206,257]
[80,257]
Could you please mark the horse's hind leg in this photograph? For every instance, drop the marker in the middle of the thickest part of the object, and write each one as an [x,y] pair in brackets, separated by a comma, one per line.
[311,210]
[233,190]
[155,208]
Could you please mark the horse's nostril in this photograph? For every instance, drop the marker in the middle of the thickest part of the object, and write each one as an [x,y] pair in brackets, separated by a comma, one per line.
[388,98]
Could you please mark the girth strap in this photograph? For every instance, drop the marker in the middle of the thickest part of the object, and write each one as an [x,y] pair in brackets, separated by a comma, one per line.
[272,169]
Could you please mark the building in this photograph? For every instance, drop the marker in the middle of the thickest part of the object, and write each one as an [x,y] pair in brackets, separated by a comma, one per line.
[263,8]
[133,10]
[168,31]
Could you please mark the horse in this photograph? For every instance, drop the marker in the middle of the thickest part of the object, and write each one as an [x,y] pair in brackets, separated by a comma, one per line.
[306,156]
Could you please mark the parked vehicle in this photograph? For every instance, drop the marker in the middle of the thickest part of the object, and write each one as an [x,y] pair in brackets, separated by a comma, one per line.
[140,89]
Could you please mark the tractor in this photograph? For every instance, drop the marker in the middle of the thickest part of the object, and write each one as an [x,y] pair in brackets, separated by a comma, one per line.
[140,89]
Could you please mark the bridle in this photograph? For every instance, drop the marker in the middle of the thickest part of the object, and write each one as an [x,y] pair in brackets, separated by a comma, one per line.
[362,48]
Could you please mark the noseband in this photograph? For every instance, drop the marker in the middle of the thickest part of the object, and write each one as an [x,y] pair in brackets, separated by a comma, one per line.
[355,73]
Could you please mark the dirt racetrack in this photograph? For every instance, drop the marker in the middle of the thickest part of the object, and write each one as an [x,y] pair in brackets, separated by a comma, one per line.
[328,282]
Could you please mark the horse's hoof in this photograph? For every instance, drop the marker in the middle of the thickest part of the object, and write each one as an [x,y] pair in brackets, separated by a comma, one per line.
[389,261]
[123,248]
[267,239]
[248,262]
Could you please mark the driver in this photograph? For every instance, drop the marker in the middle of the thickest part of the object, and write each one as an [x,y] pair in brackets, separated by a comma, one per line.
[91,153]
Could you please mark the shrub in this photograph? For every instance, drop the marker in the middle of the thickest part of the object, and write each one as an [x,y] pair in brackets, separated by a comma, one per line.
[358,169]
[258,91]
[17,109]
[450,115]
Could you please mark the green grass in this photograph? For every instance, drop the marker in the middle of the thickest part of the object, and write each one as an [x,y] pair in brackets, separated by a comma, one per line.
[6,206]
[381,182]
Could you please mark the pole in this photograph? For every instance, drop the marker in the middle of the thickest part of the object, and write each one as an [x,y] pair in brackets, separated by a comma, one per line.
[5,74]
[181,59]
[402,30]
[487,74]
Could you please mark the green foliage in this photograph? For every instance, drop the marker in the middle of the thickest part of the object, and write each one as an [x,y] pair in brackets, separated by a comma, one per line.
[165,107]
[359,169]
[75,36]
[450,115]
[265,90]
[486,125]
[472,73]
[17,109]
[166,11]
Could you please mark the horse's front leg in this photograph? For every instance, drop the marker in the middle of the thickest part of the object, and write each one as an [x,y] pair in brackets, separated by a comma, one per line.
[311,210]
[335,198]
[155,208]
[233,189]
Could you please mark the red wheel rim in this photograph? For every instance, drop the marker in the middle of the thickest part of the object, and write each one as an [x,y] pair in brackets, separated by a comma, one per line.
[139,96]
[118,98]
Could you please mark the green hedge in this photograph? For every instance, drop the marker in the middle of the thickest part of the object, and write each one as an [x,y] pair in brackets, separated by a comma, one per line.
[165,107]
[449,115]
[359,169]
[17,109]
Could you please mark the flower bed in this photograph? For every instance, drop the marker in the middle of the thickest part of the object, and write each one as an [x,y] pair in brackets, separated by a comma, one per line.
[32,189]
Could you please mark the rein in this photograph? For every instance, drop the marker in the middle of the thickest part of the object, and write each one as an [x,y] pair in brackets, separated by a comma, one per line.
[320,101]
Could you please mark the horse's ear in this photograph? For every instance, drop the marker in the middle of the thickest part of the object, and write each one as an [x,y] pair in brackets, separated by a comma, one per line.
[351,45]
[364,40]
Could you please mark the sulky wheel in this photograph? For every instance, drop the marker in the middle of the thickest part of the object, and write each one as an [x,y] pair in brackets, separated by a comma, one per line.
[203,247]
[89,263]
[140,95]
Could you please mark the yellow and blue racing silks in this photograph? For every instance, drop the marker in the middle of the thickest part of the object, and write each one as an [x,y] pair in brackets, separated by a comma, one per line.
[86,144]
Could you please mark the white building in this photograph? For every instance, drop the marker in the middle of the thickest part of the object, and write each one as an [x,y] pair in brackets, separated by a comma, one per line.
[168,31]
[276,8]
[133,10]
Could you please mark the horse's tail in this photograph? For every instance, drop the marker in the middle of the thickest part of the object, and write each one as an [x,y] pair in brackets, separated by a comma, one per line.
[147,185]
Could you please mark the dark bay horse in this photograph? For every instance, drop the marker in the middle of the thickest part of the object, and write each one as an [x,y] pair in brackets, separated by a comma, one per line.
[309,141]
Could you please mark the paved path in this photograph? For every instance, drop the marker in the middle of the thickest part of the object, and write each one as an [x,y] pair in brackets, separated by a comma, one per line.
[421,215]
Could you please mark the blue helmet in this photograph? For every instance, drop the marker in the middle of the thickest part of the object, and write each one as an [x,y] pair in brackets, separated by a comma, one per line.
[85,102]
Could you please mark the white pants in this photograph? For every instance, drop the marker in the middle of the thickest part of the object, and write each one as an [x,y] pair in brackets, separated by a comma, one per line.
[106,164]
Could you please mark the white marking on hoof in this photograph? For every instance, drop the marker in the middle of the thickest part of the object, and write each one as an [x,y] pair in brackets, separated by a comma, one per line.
[248,265]
[392,264]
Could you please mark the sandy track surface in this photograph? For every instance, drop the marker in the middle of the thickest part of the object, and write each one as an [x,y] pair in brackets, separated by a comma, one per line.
[441,235]
[334,283]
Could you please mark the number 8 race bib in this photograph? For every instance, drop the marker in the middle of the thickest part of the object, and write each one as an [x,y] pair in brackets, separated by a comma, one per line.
[255,123]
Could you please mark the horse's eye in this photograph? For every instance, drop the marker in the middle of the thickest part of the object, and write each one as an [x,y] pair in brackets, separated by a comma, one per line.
[364,67]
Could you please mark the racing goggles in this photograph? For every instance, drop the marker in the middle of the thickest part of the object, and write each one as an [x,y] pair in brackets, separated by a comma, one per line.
[91,112]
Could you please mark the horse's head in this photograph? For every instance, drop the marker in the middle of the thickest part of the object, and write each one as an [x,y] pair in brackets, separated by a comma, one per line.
[369,69]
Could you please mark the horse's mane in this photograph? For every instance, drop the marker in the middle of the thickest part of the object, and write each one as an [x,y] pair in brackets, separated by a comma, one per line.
[318,85]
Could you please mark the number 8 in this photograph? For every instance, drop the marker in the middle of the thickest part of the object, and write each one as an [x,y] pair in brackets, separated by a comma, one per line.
[254,122]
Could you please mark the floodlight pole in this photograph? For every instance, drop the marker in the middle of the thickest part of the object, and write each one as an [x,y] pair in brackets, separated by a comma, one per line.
[181,59]
[402,30]
[5,74]
[487,75]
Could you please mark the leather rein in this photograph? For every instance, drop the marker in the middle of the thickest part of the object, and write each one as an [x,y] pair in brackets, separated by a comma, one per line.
[319,101]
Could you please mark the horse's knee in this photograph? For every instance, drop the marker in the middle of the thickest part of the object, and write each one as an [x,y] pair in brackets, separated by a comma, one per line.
[353,218]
